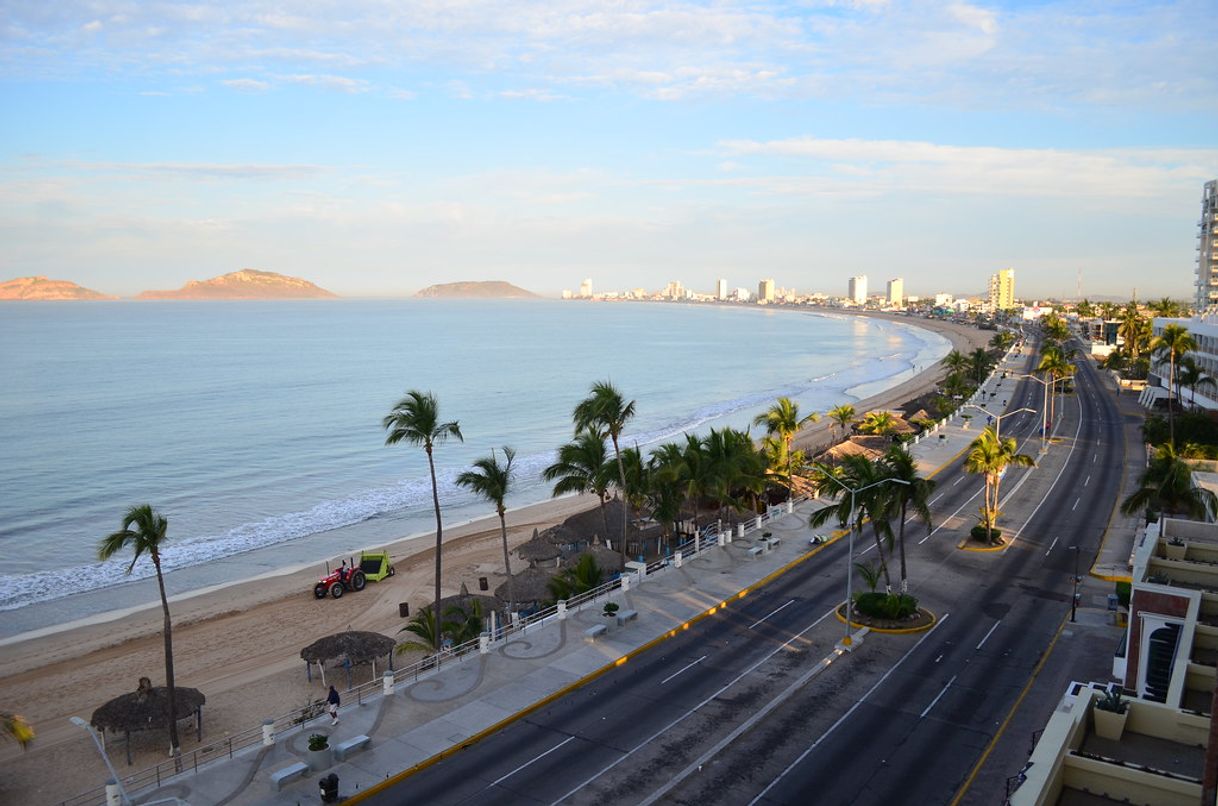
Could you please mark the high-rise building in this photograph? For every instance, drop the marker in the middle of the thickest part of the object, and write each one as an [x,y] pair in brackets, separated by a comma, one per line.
[858,289]
[721,289]
[1207,248]
[896,291]
[674,290]
[585,288]
[1002,290]
[765,290]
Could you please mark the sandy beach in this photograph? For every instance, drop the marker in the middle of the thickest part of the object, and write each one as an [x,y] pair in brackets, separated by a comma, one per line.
[240,643]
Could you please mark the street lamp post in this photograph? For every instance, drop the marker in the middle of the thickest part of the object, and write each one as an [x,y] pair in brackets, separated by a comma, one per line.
[850,540]
[998,417]
[1076,579]
[1047,386]
[80,723]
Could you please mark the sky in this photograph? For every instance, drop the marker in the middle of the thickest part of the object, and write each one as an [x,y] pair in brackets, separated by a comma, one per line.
[376,147]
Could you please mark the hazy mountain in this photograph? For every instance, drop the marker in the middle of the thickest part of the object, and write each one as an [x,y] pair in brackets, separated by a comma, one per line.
[40,288]
[485,289]
[244,284]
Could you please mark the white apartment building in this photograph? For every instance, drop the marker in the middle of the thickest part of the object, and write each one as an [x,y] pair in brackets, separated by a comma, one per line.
[943,300]
[721,290]
[1204,330]
[1207,248]
[896,291]
[742,295]
[857,290]
[585,288]
[765,290]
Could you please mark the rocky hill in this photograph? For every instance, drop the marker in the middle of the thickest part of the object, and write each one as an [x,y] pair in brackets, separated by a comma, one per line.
[40,288]
[484,289]
[244,284]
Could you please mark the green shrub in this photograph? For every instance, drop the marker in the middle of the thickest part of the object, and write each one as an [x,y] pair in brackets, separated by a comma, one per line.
[318,741]
[979,534]
[891,606]
[1123,591]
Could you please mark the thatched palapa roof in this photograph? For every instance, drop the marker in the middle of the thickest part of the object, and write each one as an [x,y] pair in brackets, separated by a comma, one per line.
[537,550]
[146,708]
[356,645]
[606,558]
[530,585]
[465,599]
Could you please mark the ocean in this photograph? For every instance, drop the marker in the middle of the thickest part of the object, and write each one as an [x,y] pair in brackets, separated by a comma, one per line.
[255,427]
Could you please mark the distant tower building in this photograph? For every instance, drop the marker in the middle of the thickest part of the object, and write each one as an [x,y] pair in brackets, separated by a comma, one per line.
[765,290]
[943,300]
[1207,248]
[858,289]
[585,288]
[566,293]
[896,291]
[1002,290]
[721,289]
[674,290]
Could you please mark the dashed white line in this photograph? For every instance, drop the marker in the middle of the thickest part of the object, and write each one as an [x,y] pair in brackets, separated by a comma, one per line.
[1076,502]
[957,481]
[938,697]
[527,763]
[988,634]
[936,498]
[699,660]
[1088,481]
[772,612]
[1052,545]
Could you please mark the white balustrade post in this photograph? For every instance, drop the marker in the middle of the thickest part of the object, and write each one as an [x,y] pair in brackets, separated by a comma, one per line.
[740,530]
[268,732]
[387,684]
[114,796]
[625,583]
[676,559]
[790,507]
[722,540]
[484,643]
[758,521]
[562,609]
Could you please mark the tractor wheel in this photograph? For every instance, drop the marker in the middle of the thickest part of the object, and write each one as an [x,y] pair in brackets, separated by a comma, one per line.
[391,571]
[336,590]
[358,580]
[319,590]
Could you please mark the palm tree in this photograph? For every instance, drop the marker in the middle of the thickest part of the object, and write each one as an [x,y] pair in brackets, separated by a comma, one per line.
[144,531]
[1108,310]
[980,363]
[1002,340]
[583,467]
[1085,309]
[491,481]
[880,423]
[1134,329]
[915,494]
[782,420]
[990,455]
[606,411]
[576,579]
[15,727]
[415,420]
[1191,375]
[842,415]
[1175,341]
[874,504]
[956,361]
[1056,365]
[1167,486]
[1164,307]
[735,468]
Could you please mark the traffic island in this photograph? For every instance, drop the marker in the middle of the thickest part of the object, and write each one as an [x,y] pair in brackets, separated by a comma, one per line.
[978,540]
[919,621]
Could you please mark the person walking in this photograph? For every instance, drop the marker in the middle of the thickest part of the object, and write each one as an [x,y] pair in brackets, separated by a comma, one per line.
[332,703]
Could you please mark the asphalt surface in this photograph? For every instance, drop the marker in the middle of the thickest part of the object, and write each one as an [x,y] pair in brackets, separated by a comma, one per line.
[901,720]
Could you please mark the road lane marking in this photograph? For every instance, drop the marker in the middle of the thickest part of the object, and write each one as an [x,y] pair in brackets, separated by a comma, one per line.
[1094,458]
[1052,545]
[710,699]
[772,612]
[939,695]
[1056,479]
[1088,481]
[957,481]
[988,634]
[1075,504]
[936,498]
[699,660]
[846,715]
[527,763]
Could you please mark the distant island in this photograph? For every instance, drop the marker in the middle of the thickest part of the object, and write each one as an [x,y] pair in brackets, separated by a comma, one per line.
[485,289]
[38,289]
[244,284]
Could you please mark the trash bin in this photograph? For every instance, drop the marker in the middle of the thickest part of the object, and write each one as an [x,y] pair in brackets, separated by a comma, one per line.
[483,584]
[329,788]
[404,609]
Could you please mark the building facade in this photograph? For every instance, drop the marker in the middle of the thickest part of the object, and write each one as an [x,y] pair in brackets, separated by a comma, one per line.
[585,288]
[896,291]
[1204,330]
[1002,290]
[765,290]
[721,290]
[857,290]
[1207,248]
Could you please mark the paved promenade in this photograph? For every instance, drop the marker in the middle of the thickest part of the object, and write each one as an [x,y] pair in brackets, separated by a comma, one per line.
[420,719]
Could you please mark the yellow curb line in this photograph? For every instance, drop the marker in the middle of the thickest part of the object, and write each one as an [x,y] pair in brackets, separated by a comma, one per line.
[1111,577]
[588,678]
[837,612]
[989,748]
[1001,547]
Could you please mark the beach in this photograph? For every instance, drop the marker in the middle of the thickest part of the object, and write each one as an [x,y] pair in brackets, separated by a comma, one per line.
[239,643]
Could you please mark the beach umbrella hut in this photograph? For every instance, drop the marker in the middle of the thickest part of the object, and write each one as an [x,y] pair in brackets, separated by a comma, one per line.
[147,708]
[465,600]
[531,587]
[539,552]
[350,647]
[606,558]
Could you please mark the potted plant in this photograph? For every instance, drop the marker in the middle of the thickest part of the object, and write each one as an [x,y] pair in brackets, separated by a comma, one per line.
[320,755]
[610,609]
[1110,713]
[1175,548]
[965,418]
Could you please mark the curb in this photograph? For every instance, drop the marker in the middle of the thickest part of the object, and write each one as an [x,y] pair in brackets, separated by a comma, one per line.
[470,741]
[889,631]
[982,549]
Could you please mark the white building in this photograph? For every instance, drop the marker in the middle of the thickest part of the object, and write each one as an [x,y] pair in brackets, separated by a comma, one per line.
[1207,249]
[721,289]
[674,290]
[765,290]
[566,293]
[742,295]
[896,291]
[943,300]
[1002,290]
[1204,330]
[857,291]
[585,288]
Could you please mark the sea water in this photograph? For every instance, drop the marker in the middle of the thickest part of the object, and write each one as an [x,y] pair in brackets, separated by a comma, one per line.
[255,427]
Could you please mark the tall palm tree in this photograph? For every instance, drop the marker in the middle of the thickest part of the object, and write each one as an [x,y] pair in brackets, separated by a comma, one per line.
[956,361]
[914,494]
[145,532]
[606,411]
[1134,329]
[1167,486]
[874,504]
[1190,375]
[735,468]
[1108,310]
[1056,365]
[1174,342]
[415,420]
[1085,309]
[491,481]
[980,364]
[1164,307]
[1054,328]
[880,423]
[583,467]
[990,455]
[842,415]
[782,420]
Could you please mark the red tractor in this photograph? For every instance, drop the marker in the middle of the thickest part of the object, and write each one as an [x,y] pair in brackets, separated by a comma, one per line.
[339,581]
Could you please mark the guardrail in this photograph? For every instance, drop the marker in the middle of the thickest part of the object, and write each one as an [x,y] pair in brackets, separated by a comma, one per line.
[190,763]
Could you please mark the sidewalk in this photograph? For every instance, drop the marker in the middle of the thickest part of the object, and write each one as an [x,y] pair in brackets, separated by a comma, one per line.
[458,704]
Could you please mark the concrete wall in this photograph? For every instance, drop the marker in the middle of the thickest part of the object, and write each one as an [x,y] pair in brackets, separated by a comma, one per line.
[1126,785]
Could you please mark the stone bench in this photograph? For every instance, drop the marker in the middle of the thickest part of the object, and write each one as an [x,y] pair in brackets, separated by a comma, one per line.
[626,615]
[289,773]
[594,631]
[755,552]
[772,542]
[352,745]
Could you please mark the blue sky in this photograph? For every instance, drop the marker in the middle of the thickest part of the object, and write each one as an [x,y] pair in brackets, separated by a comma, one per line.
[376,147]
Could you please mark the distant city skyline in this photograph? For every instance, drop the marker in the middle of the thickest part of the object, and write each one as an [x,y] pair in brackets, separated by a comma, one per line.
[376,150]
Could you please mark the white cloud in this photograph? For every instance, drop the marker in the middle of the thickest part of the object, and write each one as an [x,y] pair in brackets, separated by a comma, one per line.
[246,84]
[329,82]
